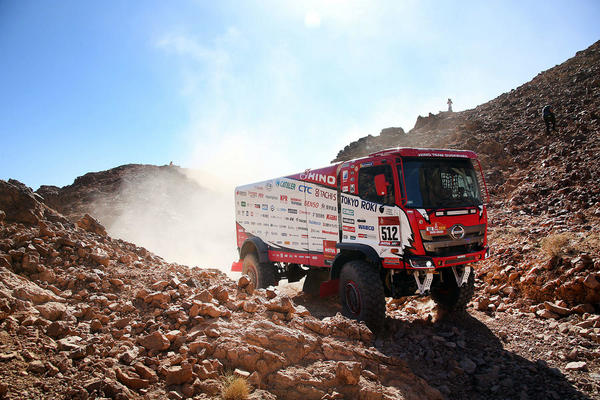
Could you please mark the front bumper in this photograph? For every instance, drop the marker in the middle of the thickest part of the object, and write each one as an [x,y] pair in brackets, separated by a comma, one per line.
[426,262]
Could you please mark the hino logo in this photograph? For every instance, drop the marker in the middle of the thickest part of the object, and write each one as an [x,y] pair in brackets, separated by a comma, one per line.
[457,232]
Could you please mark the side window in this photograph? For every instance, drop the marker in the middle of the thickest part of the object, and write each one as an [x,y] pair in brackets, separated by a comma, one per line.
[367,188]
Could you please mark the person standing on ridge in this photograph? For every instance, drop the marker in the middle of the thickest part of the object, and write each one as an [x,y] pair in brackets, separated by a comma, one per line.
[549,117]
[449,105]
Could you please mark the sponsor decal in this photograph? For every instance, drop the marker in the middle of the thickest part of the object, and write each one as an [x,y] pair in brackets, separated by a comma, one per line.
[366,227]
[367,205]
[348,220]
[315,230]
[304,212]
[329,232]
[312,204]
[252,194]
[241,193]
[305,189]
[352,237]
[286,185]
[257,206]
[272,208]
[350,201]
[347,211]
[304,236]
[286,242]
[269,186]
[265,207]
[329,250]
[283,198]
[345,175]
[437,229]
[332,217]
[318,215]
[344,188]
[328,207]
[261,195]
[283,209]
[302,228]
[283,234]
[301,220]
[326,195]
[318,178]
[348,228]
[345,236]
[243,204]
[271,197]
[327,224]
[367,164]
[352,187]
[362,236]
[314,222]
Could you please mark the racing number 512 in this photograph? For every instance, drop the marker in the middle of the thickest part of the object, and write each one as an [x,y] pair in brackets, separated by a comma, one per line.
[389,232]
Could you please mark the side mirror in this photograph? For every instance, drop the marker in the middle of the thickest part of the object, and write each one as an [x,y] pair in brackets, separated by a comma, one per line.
[381,185]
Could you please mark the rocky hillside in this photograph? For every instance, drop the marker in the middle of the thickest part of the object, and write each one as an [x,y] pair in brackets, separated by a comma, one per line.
[84,315]
[108,194]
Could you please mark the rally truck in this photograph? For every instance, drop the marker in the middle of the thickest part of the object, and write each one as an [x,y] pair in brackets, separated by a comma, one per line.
[396,223]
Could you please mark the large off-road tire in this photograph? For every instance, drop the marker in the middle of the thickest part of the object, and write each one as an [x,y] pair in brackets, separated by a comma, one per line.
[262,275]
[449,296]
[361,294]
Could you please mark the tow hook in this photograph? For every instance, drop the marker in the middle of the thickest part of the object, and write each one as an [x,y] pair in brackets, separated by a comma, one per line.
[423,287]
[463,277]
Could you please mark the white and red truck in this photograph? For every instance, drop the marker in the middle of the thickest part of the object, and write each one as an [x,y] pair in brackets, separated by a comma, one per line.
[398,222]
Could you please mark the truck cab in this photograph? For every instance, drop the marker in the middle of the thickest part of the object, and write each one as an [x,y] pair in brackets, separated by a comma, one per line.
[398,222]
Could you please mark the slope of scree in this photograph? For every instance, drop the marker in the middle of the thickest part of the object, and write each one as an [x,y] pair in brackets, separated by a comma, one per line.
[83,315]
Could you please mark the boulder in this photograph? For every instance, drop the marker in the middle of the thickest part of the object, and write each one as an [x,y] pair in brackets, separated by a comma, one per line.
[155,341]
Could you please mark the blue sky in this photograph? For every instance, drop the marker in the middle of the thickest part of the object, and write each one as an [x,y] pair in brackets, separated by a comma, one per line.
[252,90]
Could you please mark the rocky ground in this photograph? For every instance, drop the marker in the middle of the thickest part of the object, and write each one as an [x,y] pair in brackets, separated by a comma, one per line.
[84,315]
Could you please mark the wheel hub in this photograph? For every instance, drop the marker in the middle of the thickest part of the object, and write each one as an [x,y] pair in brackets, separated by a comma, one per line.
[352,295]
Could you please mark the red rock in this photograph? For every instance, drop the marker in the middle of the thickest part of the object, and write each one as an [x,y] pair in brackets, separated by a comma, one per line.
[591,282]
[145,372]
[348,372]
[556,309]
[178,374]
[90,224]
[52,310]
[155,341]
[132,382]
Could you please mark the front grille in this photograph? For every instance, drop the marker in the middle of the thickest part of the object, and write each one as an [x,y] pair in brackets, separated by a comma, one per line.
[446,245]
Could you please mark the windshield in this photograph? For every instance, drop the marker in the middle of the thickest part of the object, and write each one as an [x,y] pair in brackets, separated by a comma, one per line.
[440,183]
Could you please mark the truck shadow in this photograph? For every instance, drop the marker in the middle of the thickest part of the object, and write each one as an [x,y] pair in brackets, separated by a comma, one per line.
[460,356]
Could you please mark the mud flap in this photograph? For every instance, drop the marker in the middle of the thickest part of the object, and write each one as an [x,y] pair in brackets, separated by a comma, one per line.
[329,288]
[463,277]
[424,287]
[237,266]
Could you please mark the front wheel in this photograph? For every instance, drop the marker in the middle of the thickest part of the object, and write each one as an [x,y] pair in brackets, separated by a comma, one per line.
[361,294]
[262,275]
[451,297]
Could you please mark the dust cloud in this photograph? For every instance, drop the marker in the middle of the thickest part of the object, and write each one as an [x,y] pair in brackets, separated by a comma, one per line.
[182,215]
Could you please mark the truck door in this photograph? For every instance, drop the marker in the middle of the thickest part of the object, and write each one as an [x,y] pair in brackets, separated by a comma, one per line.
[371,215]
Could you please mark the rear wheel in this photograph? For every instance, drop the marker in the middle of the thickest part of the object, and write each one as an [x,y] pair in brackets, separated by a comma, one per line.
[451,297]
[262,275]
[361,294]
